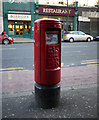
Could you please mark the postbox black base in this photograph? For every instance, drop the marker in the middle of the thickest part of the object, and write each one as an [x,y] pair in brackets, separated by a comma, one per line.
[47,96]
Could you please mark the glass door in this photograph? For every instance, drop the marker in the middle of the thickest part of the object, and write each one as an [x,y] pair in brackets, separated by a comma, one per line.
[27,28]
[19,30]
[11,28]
[68,26]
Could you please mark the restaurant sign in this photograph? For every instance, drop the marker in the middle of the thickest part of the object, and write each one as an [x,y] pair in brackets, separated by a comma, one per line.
[56,11]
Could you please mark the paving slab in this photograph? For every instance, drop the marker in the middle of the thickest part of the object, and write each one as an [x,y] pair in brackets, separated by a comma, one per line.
[78,94]
[77,103]
[23,80]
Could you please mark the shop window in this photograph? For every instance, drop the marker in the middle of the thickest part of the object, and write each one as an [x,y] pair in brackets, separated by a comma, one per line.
[11,22]
[27,22]
[62,24]
[68,18]
[17,29]
[21,29]
[68,26]
[57,17]
[43,16]
[11,28]
[19,22]
[27,29]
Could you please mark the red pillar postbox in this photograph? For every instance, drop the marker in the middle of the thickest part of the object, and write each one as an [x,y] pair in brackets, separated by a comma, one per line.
[47,54]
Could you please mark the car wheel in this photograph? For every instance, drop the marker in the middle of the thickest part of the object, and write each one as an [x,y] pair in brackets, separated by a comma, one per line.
[89,39]
[6,41]
[71,40]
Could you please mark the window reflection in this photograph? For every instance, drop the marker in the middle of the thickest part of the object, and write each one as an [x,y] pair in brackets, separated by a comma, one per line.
[27,29]
[11,29]
[19,22]
[19,28]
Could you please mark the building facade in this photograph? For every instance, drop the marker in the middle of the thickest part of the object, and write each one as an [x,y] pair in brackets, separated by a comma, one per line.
[67,15]
[19,16]
[88,20]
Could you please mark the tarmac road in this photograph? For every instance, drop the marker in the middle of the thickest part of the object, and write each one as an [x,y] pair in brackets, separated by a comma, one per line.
[73,54]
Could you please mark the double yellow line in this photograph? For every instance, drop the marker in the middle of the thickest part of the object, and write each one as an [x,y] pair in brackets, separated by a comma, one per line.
[62,64]
[11,69]
[90,62]
[83,63]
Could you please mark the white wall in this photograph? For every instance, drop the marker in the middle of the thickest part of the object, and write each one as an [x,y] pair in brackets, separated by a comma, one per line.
[80,2]
[55,2]
[86,2]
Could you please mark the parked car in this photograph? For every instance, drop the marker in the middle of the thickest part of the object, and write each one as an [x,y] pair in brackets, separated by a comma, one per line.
[96,38]
[77,36]
[4,39]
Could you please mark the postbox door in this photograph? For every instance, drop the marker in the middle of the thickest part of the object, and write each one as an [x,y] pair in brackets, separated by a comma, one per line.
[50,53]
[53,55]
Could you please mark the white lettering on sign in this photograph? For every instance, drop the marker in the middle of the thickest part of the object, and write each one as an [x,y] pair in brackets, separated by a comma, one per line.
[19,17]
[84,19]
[90,14]
[49,10]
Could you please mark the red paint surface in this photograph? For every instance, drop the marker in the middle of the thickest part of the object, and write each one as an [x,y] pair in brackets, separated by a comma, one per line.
[3,37]
[47,58]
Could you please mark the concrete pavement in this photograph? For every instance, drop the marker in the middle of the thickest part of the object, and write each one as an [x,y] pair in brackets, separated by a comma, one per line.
[23,40]
[78,94]
[17,81]
[78,103]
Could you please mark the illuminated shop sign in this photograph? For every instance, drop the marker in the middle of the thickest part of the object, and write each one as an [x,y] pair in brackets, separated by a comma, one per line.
[19,17]
[56,11]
